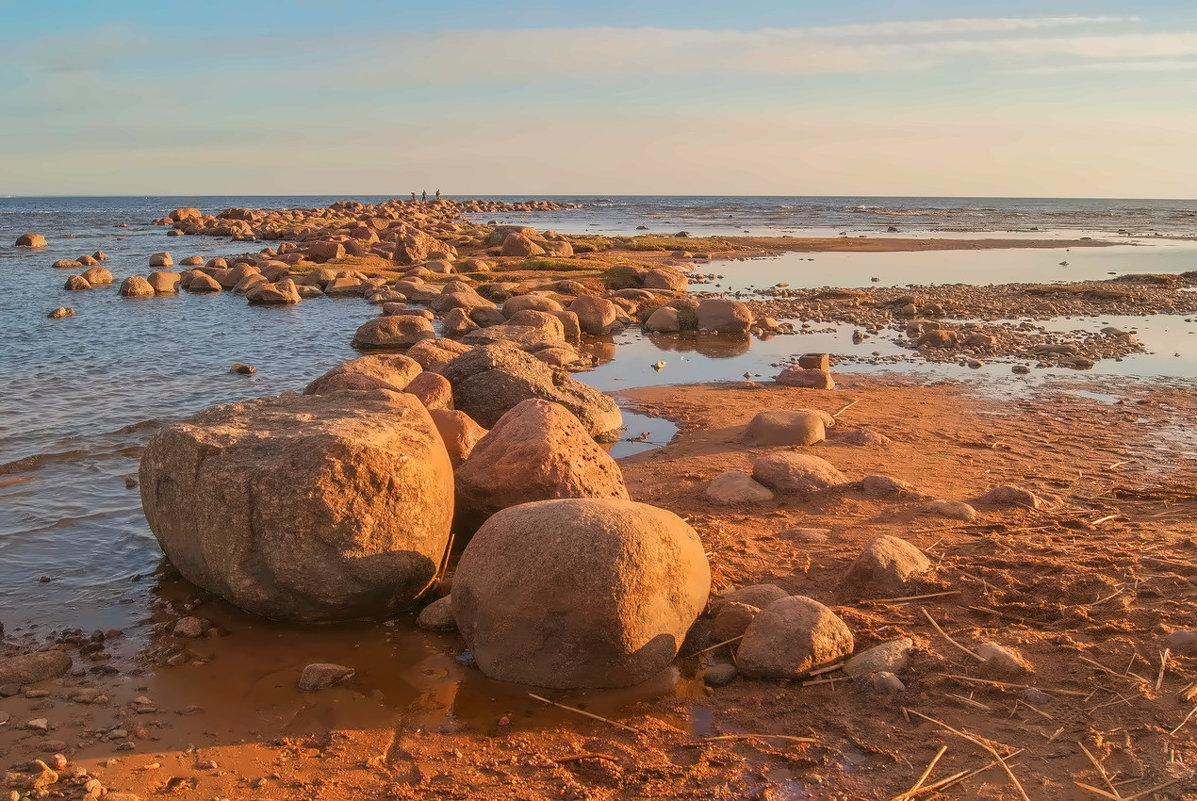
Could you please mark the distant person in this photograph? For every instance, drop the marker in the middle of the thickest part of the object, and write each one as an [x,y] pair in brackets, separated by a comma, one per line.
[424,196]
[413,196]
[438,194]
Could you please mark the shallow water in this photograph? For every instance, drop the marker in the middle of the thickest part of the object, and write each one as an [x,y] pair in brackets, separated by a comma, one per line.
[84,393]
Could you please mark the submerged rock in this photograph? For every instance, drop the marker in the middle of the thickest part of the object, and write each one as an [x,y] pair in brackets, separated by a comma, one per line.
[322,675]
[303,507]
[579,593]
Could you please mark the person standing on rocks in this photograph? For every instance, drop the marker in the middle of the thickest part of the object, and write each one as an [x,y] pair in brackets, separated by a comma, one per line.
[424,196]
[438,194]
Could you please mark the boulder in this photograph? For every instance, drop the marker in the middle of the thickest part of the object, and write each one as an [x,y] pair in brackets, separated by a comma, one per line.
[791,472]
[97,276]
[806,378]
[517,244]
[31,241]
[61,313]
[490,380]
[732,620]
[666,278]
[734,487]
[664,320]
[596,315]
[788,427]
[303,507]
[432,389]
[392,332]
[724,315]
[33,668]
[433,354]
[413,246]
[136,287]
[879,486]
[758,595]
[534,302]
[790,637]
[437,616]
[162,259]
[76,283]
[886,566]
[186,213]
[536,451]
[321,252]
[458,431]
[280,293]
[164,283]
[579,593]
[202,282]
[391,372]
[66,264]
[520,336]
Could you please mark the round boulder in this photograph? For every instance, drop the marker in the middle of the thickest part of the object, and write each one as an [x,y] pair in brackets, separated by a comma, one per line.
[535,452]
[303,507]
[886,565]
[724,315]
[579,593]
[392,331]
[786,427]
[790,637]
[136,287]
[31,241]
[391,372]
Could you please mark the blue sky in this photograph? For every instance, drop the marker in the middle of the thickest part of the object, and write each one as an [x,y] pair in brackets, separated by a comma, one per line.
[914,98]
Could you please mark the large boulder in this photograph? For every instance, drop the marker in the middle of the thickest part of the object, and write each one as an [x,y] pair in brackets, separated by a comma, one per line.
[490,380]
[391,372]
[413,246]
[303,507]
[520,245]
[392,331]
[791,636]
[279,293]
[459,432]
[97,276]
[724,315]
[805,377]
[164,282]
[579,593]
[33,668]
[791,472]
[536,451]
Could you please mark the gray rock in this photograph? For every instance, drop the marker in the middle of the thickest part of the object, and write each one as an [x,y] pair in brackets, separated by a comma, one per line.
[1182,642]
[1007,495]
[1001,661]
[719,675]
[879,486]
[438,615]
[889,657]
[1036,697]
[191,627]
[953,510]
[322,675]
[886,683]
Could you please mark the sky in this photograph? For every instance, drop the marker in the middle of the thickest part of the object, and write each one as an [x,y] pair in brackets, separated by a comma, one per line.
[919,98]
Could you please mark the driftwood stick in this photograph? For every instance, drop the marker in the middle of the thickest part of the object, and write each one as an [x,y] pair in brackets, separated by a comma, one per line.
[922,777]
[944,634]
[719,645]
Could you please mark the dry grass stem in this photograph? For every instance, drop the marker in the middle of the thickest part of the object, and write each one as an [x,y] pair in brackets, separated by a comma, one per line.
[584,713]
[944,634]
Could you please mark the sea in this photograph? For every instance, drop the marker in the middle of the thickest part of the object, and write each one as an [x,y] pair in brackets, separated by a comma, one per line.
[82,395]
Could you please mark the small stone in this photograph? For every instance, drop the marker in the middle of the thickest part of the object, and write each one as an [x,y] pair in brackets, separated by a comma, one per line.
[191,627]
[58,762]
[719,675]
[732,620]
[735,487]
[887,565]
[243,369]
[1001,661]
[887,683]
[1007,495]
[879,486]
[953,510]
[320,676]
[437,616]
[888,657]
[1182,642]
[1034,696]
[808,536]
[61,312]
[207,764]
[38,724]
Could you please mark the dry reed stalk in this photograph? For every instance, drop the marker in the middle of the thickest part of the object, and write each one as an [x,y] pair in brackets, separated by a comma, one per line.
[1101,771]
[719,645]
[584,713]
[907,598]
[922,778]
[983,744]
[944,634]
[787,737]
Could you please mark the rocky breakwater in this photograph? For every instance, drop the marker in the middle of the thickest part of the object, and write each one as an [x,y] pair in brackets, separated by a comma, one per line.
[304,507]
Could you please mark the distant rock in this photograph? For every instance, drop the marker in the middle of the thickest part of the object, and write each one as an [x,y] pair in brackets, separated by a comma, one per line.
[774,427]
[805,378]
[31,241]
[76,283]
[1007,495]
[162,259]
[735,487]
[724,316]
[61,312]
[136,287]
[97,276]
[392,332]
[518,244]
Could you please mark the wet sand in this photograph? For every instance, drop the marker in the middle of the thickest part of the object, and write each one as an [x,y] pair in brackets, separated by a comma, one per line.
[1085,587]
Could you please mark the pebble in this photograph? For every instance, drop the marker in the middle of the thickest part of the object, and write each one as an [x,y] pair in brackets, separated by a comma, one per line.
[320,676]
[887,683]
[1036,697]
[38,724]
[243,369]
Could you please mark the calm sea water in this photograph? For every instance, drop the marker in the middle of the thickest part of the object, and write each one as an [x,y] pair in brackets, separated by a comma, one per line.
[83,394]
